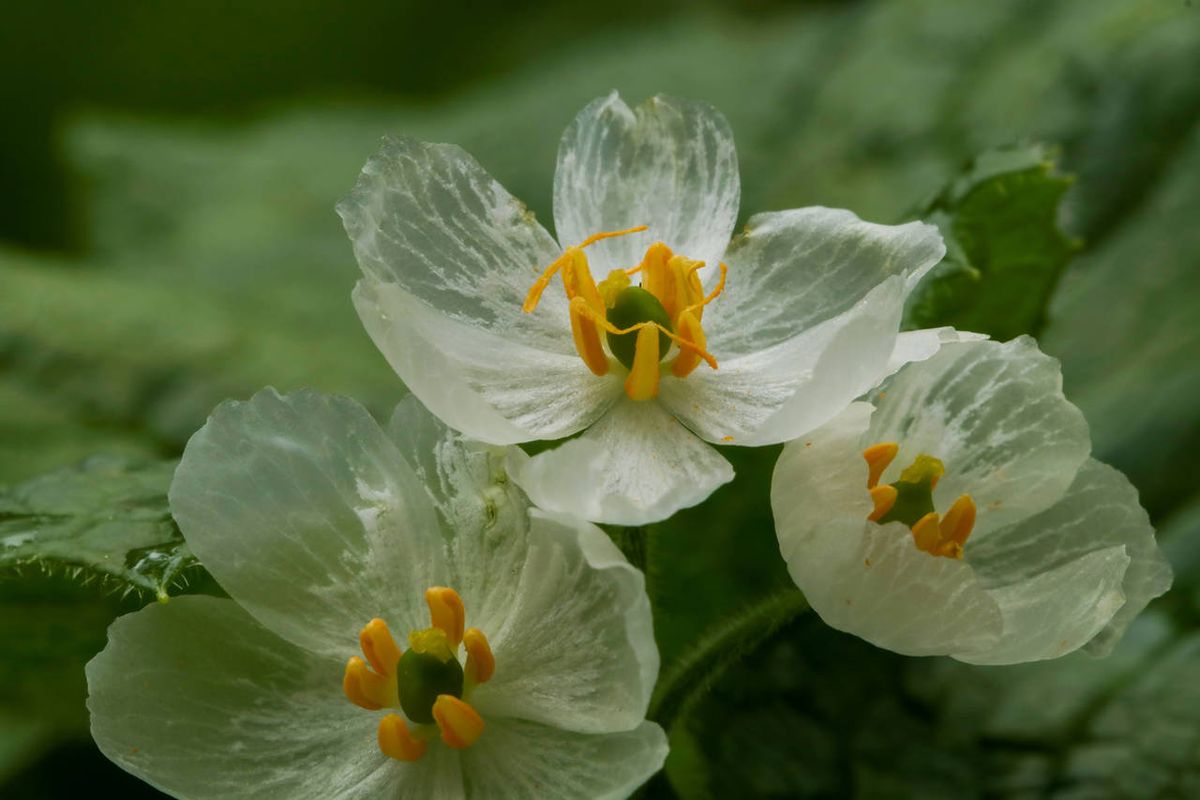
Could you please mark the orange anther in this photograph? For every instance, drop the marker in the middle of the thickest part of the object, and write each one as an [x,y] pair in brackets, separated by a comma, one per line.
[884,498]
[642,383]
[379,647]
[460,724]
[959,521]
[365,688]
[926,533]
[481,664]
[447,612]
[878,456]
[690,330]
[396,742]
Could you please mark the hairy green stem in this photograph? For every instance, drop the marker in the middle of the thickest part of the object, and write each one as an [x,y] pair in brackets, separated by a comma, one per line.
[722,646]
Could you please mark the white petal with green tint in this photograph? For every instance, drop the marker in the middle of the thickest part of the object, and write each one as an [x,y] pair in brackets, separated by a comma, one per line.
[635,466]
[792,387]
[516,760]
[996,416]
[306,514]
[577,649]
[1098,514]
[494,389]
[863,578]
[669,164]
[791,270]
[198,699]
[429,219]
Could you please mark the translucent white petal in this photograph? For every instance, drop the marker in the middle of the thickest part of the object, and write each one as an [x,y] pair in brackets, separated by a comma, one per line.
[922,344]
[429,219]
[515,760]
[996,416]
[669,164]
[1056,611]
[493,388]
[200,701]
[790,270]
[485,517]
[635,466]
[863,578]
[1098,516]
[790,388]
[306,513]
[576,650]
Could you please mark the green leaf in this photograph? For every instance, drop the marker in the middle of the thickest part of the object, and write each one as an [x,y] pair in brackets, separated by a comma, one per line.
[1005,250]
[107,517]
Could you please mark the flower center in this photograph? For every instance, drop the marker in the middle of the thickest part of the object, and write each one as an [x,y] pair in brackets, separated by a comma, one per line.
[428,682]
[910,501]
[640,323]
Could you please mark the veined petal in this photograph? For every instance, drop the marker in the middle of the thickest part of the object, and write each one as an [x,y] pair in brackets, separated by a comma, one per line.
[306,514]
[576,650]
[796,385]
[867,579]
[636,465]
[515,759]
[996,416]
[428,219]
[791,270]
[1090,558]
[492,388]
[669,164]
[199,700]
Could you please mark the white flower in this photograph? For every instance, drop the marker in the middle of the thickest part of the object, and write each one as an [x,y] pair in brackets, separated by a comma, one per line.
[959,513]
[750,341]
[330,534]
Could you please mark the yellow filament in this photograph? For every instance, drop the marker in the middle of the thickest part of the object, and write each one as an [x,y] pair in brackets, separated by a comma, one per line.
[568,256]
[878,457]
[579,305]
[447,613]
[481,664]
[642,383]
[460,724]
[396,742]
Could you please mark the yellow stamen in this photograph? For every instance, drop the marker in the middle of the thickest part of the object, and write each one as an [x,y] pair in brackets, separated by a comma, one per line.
[690,330]
[926,533]
[586,334]
[569,256]
[642,383]
[579,305]
[611,286]
[432,641]
[959,521]
[396,742]
[367,689]
[379,647]
[460,724]
[481,664]
[698,307]
[878,457]
[884,498]
[447,612]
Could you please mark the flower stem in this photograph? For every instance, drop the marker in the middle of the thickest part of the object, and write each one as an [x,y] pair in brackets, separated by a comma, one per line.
[718,649]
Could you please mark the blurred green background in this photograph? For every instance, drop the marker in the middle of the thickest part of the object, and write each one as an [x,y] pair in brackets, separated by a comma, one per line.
[167,240]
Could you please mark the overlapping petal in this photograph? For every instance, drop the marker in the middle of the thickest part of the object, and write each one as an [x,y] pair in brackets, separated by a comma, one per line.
[577,649]
[494,389]
[519,759]
[996,416]
[306,514]
[636,465]
[669,164]
[198,699]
